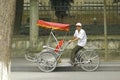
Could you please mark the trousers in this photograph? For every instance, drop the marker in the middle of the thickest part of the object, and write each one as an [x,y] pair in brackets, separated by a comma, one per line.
[74,52]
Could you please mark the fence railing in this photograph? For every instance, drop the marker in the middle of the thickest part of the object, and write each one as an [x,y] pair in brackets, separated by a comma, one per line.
[90,14]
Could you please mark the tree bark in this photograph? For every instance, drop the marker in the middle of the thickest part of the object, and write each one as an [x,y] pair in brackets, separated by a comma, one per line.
[18,16]
[7,13]
[33,27]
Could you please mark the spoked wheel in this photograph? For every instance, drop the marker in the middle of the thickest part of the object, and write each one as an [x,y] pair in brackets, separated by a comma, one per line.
[46,61]
[89,60]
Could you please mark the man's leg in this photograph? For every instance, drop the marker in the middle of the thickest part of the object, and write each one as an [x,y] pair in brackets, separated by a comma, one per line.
[74,52]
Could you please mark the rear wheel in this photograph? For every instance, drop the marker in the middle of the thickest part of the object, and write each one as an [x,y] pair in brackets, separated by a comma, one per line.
[88,60]
[46,61]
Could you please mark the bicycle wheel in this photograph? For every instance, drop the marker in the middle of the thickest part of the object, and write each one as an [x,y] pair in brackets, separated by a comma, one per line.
[46,61]
[89,60]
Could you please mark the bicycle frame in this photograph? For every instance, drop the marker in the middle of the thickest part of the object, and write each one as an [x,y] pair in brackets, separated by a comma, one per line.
[48,59]
[86,63]
[60,49]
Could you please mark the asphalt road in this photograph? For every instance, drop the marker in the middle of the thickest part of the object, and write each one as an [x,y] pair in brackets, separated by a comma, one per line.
[25,70]
[81,75]
[22,65]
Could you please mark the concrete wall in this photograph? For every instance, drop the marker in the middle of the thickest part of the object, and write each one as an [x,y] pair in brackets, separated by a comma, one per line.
[21,45]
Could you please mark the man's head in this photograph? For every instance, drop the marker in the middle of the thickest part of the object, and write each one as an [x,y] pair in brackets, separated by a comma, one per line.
[78,26]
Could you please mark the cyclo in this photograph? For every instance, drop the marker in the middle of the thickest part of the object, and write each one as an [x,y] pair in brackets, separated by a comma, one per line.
[48,58]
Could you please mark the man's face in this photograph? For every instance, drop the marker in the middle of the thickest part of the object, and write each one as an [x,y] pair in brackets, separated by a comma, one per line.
[78,27]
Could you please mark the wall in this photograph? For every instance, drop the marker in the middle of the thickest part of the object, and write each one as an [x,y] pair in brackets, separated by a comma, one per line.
[20,46]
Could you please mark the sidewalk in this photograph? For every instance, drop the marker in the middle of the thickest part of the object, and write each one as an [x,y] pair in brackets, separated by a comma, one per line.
[20,65]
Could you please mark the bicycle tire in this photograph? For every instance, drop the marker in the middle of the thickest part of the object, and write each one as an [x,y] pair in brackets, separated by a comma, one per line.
[89,60]
[46,61]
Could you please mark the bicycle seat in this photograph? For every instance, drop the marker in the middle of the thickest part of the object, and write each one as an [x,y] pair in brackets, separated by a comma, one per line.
[59,45]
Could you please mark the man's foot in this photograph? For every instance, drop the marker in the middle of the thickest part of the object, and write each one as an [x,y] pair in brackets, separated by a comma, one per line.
[59,61]
[73,63]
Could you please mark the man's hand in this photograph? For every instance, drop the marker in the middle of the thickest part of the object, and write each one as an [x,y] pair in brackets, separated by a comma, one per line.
[75,39]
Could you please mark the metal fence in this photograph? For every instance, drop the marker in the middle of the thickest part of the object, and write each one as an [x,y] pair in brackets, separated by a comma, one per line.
[89,13]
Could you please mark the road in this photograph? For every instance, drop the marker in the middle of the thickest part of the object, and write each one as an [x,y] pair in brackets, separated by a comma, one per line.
[81,75]
[24,70]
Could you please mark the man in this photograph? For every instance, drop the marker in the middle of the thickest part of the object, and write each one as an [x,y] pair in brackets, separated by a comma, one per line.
[80,36]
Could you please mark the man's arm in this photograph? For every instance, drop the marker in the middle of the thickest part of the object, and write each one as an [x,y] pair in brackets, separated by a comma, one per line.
[74,39]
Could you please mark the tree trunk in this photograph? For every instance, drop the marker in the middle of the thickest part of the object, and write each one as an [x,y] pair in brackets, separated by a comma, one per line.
[18,16]
[7,10]
[105,33]
[33,26]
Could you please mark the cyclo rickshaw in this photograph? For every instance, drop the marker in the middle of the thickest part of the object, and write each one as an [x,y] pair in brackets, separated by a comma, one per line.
[48,58]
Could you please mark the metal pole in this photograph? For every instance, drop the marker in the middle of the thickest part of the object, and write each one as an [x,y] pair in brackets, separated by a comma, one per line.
[105,32]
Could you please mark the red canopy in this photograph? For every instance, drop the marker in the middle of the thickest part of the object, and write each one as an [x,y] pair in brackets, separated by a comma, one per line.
[53,25]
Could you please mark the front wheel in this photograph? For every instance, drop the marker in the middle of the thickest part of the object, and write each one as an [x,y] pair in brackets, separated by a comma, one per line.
[46,61]
[89,60]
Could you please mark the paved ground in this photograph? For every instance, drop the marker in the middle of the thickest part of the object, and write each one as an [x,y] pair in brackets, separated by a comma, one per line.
[22,65]
[109,75]
[25,70]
